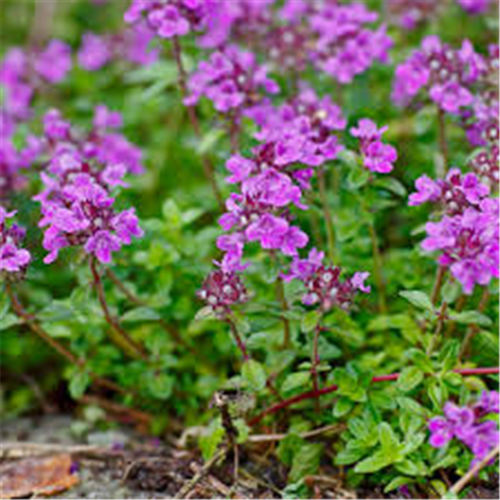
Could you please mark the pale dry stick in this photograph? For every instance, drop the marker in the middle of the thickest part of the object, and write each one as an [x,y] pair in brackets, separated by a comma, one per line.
[207,165]
[31,322]
[191,484]
[327,429]
[11,450]
[116,333]
[462,483]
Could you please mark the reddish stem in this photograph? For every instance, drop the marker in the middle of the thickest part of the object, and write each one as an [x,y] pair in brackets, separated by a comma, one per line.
[239,341]
[117,334]
[332,388]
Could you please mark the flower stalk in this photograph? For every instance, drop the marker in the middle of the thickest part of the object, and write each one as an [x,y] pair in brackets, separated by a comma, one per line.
[116,333]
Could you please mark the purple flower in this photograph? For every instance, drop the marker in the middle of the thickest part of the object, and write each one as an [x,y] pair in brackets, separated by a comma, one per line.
[448,75]
[468,243]
[54,62]
[456,192]
[171,18]
[77,208]
[465,423]
[231,79]
[13,259]
[303,269]
[94,52]
[475,7]
[102,244]
[240,169]
[377,156]
[268,230]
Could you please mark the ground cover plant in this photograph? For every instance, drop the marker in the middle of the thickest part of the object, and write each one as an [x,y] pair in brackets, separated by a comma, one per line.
[268,228]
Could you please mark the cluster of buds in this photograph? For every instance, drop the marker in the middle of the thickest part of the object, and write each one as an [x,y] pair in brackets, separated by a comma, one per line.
[324,286]
[221,290]
[486,165]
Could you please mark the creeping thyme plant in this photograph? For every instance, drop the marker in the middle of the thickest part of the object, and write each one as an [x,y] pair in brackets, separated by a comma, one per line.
[291,201]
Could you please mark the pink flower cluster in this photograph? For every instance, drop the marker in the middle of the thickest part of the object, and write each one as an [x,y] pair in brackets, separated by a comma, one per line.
[270,183]
[468,244]
[468,425]
[448,75]
[323,284]
[409,14]
[21,72]
[76,203]
[231,79]
[133,45]
[377,156]
[172,17]
[455,193]
[13,259]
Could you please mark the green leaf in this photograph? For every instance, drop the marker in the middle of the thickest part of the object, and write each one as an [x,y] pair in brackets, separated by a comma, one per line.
[409,379]
[391,184]
[418,299]
[411,468]
[210,441]
[342,407]
[255,374]
[140,314]
[8,320]
[55,312]
[388,439]
[295,381]
[421,360]
[397,482]
[376,462]
[437,393]
[160,385]
[310,321]
[305,462]
[349,456]
[78,384]
[471,318]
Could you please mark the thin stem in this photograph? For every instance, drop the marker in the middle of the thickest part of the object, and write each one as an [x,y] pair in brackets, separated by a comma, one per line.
[315,361]
[438,284]
[35,327]
[378,269]
[439,327]
[443,143]
[280,294]
[237,337]
[474,329]
[207,164]
[330,230]
[117,334]
[170,329]
[332,388]
[487,460]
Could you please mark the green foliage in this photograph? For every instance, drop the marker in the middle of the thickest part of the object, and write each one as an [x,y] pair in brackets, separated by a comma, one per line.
[191,354]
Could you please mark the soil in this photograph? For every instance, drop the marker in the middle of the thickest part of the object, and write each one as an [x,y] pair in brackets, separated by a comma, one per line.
[134,466]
